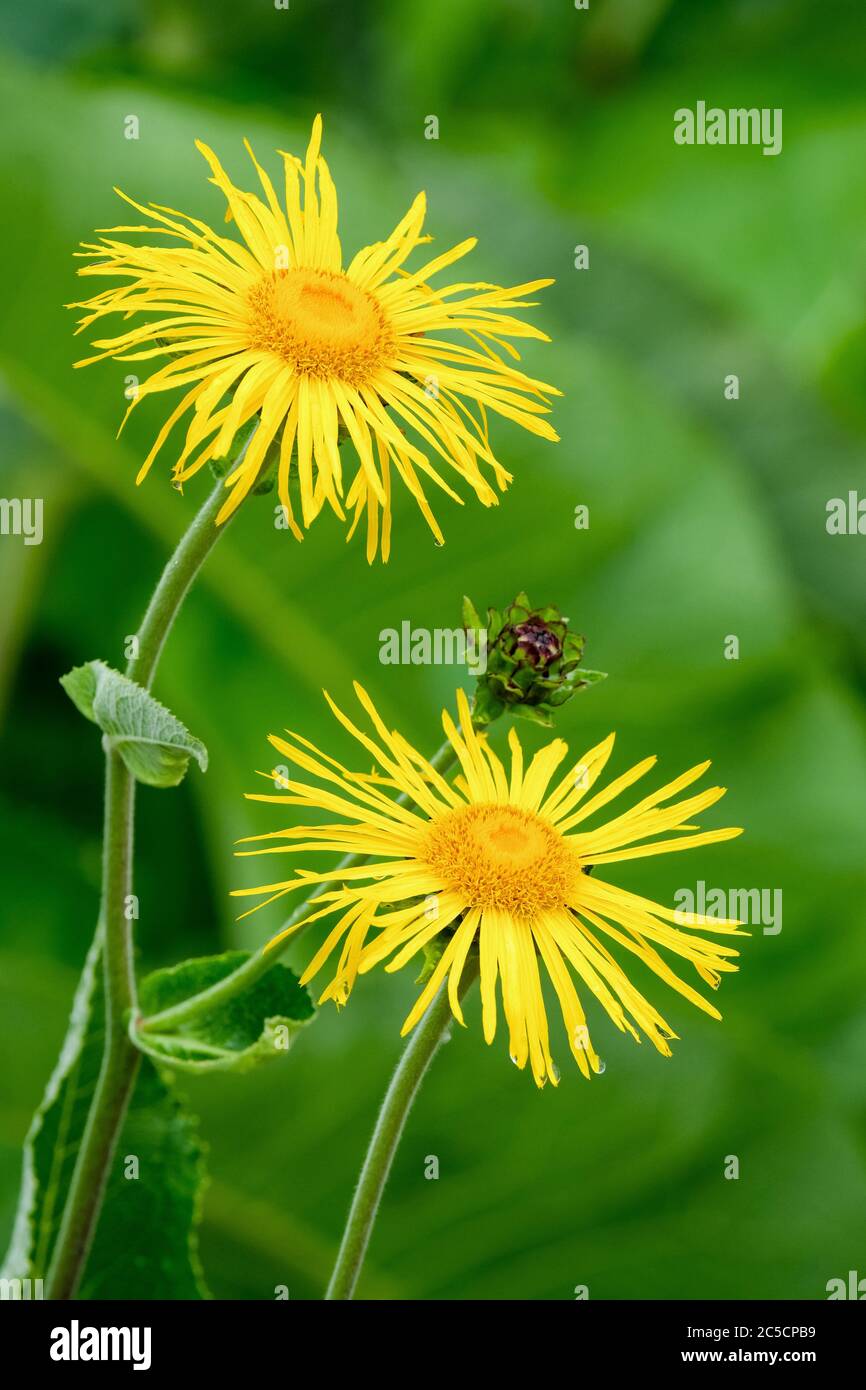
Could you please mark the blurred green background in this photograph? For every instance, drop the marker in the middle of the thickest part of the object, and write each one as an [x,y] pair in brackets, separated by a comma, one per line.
[707,518]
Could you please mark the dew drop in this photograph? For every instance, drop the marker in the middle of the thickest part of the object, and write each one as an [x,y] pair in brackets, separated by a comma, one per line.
[438,544]
[514,1059]
[600,1067]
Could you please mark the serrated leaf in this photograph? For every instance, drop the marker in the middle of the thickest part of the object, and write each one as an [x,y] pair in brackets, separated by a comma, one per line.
[249,1028]
[145,1244]
[153,743]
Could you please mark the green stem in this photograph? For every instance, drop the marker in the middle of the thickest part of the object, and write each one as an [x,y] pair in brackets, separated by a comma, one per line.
[174,585]
[121,1058]
[405,1083]
[264,959]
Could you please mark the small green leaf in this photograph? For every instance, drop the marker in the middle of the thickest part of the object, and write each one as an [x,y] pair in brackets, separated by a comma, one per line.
[155,746]
[486,706]
[145,1242]
[536,714]
[259,1023]
[472,620]
[432,955]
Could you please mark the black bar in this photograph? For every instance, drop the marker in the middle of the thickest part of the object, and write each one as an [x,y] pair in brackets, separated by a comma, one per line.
[261,1337]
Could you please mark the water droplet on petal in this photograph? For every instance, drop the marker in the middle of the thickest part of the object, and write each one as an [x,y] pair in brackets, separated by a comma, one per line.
[600,1067]
[514,1059]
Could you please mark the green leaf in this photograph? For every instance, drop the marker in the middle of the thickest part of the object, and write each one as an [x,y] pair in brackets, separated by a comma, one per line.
[155,746]
[257,1024]
[471,618]
[432,955]
[145,1244]
[486,706]
[536,714]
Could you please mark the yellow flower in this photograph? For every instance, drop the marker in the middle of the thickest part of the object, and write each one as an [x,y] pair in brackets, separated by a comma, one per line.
[501,861]
[275,325]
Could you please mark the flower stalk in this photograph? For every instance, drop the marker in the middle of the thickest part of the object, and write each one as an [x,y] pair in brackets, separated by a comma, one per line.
[417,1056]
[175,583]
[121,1058]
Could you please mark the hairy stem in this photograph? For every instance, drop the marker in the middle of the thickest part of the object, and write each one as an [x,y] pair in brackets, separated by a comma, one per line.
[121,1058]
[404,1086]
[174,584]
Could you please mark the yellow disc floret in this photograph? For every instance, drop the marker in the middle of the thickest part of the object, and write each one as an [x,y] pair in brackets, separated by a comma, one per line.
[321,324]
[503,857]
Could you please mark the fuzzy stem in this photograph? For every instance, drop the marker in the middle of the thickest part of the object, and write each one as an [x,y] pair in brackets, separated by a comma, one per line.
[174,584]
[404,1086]
[121,1058]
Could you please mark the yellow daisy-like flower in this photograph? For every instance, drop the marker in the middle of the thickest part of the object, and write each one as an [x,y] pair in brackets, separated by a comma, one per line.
[277,327]
[501,861]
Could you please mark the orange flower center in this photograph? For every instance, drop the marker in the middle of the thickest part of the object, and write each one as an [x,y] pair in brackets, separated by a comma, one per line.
[502,857]
[320,323]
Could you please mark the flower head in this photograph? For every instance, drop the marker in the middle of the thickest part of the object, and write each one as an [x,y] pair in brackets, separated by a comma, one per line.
[500,861]
[274,327]
[534,662]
